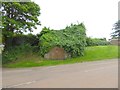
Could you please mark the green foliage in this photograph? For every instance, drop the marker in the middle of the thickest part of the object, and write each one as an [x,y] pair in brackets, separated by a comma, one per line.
[18,46]
[25,39]
[72,39]
[12,54]
[20,39]
[96,41]
[0,37]
[116,32]
[92,53]
[19,17]
[89,41]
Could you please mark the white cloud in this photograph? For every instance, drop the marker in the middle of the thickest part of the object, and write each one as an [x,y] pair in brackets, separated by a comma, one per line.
[97,15]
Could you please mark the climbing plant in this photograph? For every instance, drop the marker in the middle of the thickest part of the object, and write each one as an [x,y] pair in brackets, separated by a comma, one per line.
[72,39]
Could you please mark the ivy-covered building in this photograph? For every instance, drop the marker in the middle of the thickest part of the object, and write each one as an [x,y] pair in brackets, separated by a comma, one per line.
[72,39]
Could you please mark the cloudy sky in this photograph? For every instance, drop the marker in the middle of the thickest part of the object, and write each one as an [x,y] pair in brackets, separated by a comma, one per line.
[97,15]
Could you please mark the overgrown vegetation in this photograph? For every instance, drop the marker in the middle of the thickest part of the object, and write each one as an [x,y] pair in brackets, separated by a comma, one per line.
[91,54]
[12,54]
[20,39]
[96,41]
[72,39]
[18,46]
[26,50]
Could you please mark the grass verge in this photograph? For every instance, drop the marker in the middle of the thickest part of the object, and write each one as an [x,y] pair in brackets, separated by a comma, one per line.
[91,54]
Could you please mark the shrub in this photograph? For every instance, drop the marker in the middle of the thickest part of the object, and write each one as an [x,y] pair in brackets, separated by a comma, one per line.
[96,41]
[12,54]
[20,39]
[19,45]
[72,39]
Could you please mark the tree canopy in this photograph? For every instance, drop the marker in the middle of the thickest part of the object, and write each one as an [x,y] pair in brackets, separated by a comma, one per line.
[19,17]
[116,28]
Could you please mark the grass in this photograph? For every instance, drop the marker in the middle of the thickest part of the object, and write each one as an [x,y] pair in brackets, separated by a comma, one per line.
[91,54]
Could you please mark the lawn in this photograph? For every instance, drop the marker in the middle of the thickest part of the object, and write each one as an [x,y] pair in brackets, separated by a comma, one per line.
[92,53]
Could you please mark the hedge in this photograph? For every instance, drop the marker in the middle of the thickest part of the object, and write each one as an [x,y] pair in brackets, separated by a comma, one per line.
[96,41]
[20,39]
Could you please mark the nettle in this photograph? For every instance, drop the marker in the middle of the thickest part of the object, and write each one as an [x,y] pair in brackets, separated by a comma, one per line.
[72,39]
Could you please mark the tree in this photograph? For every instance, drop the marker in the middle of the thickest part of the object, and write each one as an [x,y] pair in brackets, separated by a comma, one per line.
[19,17]
[116,28]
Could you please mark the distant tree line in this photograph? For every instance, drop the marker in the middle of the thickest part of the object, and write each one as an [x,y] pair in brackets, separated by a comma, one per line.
[96,41]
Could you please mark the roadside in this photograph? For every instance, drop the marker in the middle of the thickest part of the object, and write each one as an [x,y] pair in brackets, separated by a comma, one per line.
[91,54]
[97,74]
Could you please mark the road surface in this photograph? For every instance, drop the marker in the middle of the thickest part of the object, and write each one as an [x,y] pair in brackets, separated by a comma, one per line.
[97,74]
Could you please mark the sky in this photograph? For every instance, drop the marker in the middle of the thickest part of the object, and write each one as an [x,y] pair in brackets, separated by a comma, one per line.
[97,15]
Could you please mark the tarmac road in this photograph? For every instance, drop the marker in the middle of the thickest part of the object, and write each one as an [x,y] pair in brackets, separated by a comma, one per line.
[97,74]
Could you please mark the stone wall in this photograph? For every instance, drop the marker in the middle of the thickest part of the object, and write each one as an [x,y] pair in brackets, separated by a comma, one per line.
[56,53]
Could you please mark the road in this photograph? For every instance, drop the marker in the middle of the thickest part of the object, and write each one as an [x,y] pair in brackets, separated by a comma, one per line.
[97,74]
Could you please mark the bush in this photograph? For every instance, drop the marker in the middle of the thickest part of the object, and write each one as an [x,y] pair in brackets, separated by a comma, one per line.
[20,39]
[72,39]
[12,54]
[96,41]
[19,45]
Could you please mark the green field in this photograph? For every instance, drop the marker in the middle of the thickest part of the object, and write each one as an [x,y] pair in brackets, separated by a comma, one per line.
[92,53]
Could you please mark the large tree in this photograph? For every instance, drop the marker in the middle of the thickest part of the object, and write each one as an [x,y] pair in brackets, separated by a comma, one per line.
[116,28]
[19,17]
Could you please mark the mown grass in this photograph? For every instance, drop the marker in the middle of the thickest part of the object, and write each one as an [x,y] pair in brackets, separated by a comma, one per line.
[92,53]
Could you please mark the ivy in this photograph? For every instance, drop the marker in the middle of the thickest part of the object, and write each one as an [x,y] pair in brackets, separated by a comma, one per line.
[72,39]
